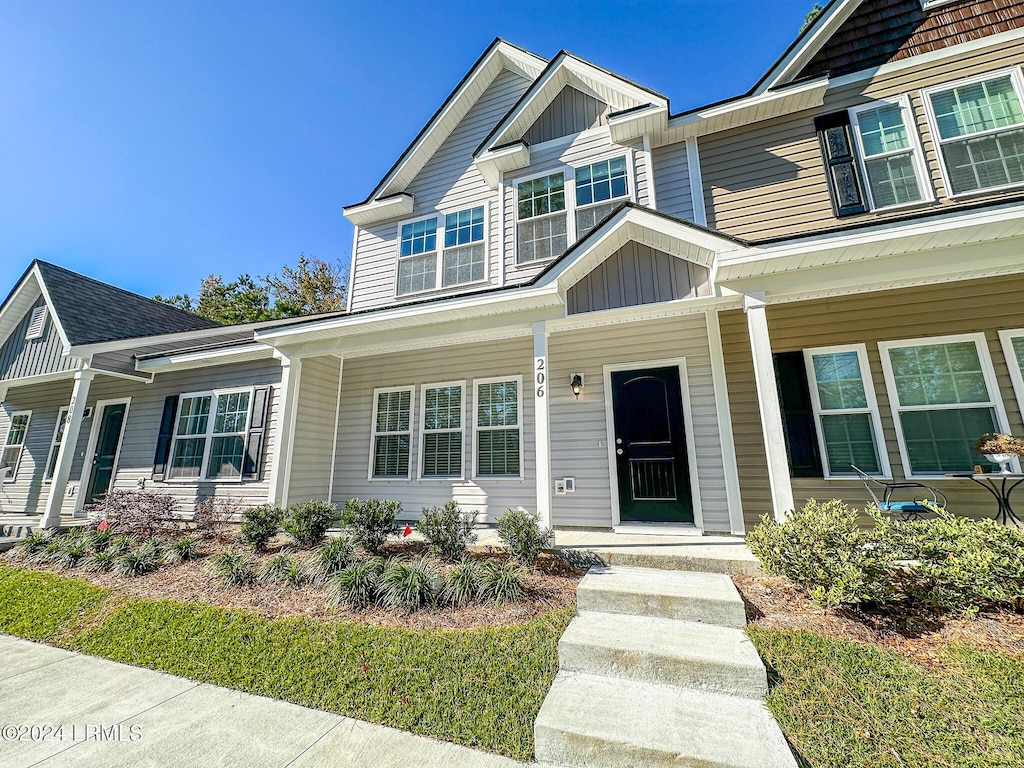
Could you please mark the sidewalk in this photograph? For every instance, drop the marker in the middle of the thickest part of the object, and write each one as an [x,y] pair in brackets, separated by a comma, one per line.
[170,721]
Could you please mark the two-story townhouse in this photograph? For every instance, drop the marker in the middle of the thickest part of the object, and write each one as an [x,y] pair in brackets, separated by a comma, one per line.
[566,298]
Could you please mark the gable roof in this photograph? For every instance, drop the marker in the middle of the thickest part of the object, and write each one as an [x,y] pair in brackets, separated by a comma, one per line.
[87,311]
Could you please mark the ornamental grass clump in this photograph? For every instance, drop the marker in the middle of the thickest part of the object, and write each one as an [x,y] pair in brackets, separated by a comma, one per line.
[523,536]
[358,584]
[182,550]
[371,522]
[71,552]
[461,584]
[283,568]
[32,545]
[449,530]
[260,525]
[232,567]
[502,582]
[409,584]
[144,559]
[101,562]
[329,559]
[307,524]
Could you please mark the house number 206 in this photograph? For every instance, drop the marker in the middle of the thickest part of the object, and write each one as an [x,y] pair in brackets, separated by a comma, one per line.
[540,377]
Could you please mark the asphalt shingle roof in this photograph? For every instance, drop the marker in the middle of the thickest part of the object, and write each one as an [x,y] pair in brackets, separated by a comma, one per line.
[91,311]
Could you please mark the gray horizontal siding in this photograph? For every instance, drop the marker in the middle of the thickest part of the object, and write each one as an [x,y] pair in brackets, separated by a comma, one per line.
[314,430]
[21,357]
[468,361]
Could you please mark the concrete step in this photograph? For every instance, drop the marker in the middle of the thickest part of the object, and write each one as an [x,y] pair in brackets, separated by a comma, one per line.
[665,651]
[7,543]
[593,721]
[710,598]
[17,528]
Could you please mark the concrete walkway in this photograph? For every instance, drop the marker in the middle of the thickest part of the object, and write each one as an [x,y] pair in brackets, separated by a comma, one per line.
[152,719]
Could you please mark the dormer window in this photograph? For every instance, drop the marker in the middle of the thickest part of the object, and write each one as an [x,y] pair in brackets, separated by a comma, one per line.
[417,256]
[542,228]
[36,323]
[599,188]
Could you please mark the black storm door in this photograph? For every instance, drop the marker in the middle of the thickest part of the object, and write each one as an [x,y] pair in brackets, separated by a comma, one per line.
[650,447]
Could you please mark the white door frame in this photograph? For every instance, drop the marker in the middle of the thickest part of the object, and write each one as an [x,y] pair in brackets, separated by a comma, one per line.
[90,451]
[691,448]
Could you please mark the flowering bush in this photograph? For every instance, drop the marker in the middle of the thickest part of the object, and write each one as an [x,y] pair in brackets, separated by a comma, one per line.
[990,444]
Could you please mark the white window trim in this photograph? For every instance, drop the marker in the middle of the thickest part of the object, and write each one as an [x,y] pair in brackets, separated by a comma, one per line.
[54,444]
[938,142]
[203,477]
[630,180]
[438,234]
[916,151]
[374,434]
[477,429]
[13,476]
[423,431]
[996,401]
[929,5]
[872,408]
[443,214]
[1006,338]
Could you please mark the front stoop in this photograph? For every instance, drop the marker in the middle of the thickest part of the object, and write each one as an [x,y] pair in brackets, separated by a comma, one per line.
[656,671]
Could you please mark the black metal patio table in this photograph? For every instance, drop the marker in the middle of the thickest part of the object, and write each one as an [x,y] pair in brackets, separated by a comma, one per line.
[1001,485]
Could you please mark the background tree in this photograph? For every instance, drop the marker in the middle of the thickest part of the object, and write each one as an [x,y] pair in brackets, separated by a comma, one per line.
[313,287]
[811,16]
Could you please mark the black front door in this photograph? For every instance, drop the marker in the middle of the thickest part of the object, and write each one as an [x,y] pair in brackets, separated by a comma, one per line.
[107,443]
[650,447]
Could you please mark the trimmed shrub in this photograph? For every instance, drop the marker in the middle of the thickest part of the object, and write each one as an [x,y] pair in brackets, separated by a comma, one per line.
[182,550]
[502,582]
[231,566]
[523,536]
[461,584]
[357,584]
[409,584]
[260,525]
[328,560]
[448,529]
[307,523]
[370,522]
[283,569]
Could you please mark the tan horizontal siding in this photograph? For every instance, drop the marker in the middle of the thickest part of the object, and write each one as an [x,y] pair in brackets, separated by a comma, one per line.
[672,181]
[768,179]
[977,306]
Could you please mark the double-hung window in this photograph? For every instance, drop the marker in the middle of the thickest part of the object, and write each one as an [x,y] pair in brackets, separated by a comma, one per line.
[849,427]
[1013,351]
[58,434]
[944,396]
[464,252]
[599,188]
[979,127]
[498,427]
[542,217]
[209,436]
[417,256]
[14,444]
[441,435]
[890,154]
[392,433]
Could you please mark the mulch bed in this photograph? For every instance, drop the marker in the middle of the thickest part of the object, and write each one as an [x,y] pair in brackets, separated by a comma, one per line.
[551,585]
[776,603]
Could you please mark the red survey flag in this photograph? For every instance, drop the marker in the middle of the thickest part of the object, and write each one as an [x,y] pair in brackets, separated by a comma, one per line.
[103,525]
[407,531]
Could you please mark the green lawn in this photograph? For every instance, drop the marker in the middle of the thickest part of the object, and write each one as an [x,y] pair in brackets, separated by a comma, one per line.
[848,705]
[479,687]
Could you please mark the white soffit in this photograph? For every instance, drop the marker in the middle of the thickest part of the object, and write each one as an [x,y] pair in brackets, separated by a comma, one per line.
[494,162]
[204,358]
[379,210]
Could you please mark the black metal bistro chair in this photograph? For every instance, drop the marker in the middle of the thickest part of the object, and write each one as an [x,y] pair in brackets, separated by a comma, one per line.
[913,509]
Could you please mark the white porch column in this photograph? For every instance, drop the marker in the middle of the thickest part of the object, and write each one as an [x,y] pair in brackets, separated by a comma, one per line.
[66,450]
[542,422]
[724,412]
[768,402]
[280,471]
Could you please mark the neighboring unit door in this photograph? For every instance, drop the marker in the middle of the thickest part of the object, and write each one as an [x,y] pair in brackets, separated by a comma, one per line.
[107,443]
[650,447]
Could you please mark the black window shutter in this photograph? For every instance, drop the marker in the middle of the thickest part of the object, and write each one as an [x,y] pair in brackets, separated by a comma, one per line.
[837,148]
[797,415]
[252,461]
[163,442]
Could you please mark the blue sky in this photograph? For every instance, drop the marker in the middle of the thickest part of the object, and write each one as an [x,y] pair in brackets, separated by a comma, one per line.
[152,143]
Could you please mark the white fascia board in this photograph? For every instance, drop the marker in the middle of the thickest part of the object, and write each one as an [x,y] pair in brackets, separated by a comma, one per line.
[379,210]
[53,315]
[494,162]
[785,70]
[674,308]
[205,358]
[22,297]
[746,111]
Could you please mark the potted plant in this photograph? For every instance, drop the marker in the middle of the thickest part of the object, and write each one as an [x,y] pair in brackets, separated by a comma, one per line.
[1000,449]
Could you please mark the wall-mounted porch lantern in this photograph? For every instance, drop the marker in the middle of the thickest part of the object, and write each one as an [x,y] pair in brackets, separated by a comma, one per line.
[576,382]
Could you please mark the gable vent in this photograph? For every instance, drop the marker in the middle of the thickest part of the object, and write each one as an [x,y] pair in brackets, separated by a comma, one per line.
[37,323]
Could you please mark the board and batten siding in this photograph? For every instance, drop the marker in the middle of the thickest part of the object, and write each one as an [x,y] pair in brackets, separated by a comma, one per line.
[579,427]
[768,180]
[361,375]
[310,472]
[21,357]
[449,182]
[672,181]
[975,306]
[582,149]
[570,112]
